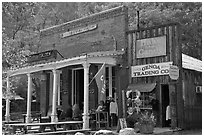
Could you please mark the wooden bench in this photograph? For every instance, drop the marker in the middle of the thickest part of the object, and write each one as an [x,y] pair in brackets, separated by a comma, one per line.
[52,125]
[11,122]
[34,117]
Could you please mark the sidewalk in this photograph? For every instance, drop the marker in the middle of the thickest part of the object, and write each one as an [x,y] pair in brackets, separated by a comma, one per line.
[161,131]
[167,131]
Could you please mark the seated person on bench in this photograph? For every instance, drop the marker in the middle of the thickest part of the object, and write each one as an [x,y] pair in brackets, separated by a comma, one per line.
[77,115]
[66,115]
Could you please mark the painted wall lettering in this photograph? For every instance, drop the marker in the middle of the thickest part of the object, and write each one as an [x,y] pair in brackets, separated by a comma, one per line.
[78,31]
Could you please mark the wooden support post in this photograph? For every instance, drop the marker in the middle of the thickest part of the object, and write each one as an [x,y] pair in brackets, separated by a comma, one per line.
[86,96]
[110,81]
[173,102]
[29,97]
[7,115]
[54,113]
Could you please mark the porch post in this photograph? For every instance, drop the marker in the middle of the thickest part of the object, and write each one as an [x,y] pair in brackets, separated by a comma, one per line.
[54,97]
[7,115]
[86,96]
[58,88]
[29,95]
[110,81]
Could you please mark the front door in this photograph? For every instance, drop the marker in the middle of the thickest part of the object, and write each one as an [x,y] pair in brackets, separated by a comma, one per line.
[78,87]
[165,102]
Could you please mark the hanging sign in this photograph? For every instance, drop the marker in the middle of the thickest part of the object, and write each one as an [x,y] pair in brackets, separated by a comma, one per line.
[151,47]
[174,72]
[78,31]
[151,69]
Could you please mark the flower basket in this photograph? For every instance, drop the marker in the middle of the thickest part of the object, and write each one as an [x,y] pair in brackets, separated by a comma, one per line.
[147,123]
[146,128]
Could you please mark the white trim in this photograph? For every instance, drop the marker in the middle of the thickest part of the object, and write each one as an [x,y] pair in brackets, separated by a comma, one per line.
[77,68]
[29,98]
[48,66]
[63,63]
[110,81]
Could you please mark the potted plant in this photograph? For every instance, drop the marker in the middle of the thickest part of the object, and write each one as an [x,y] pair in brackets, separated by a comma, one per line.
[146,122]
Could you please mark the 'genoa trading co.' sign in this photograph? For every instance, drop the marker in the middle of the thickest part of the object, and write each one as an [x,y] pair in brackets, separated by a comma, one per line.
[151,69]
[151,47]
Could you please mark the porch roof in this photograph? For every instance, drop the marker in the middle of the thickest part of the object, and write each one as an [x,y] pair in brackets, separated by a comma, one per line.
[107,57]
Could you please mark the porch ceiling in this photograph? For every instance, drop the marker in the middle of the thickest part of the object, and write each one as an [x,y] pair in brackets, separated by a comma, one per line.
[107,57]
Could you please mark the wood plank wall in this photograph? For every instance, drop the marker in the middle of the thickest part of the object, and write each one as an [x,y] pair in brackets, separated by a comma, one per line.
[170,31]
[192,100]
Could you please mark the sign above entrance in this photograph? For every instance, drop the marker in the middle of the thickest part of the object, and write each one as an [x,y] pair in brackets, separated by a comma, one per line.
[151,69]
[151,47]
[78,31]
[174,72]
[42,56]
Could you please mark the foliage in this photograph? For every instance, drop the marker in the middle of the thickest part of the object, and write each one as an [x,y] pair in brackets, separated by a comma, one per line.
[147,118]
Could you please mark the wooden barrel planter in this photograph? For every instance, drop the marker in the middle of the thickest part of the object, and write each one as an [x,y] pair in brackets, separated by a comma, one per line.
[146,128]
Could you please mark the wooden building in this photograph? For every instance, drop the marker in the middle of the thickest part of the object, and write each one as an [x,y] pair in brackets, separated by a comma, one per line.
[157,63]
[73,53]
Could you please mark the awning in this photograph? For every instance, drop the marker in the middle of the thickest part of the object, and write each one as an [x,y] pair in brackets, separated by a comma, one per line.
[148,87]
[107,57]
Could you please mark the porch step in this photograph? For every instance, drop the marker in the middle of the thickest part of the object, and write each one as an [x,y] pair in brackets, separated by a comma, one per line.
[62,132]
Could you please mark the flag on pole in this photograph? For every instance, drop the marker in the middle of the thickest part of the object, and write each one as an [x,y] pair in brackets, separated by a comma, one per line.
[101,83]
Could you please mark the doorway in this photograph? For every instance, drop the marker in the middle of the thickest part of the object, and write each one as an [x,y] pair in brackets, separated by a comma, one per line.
[165,102]
[78,87]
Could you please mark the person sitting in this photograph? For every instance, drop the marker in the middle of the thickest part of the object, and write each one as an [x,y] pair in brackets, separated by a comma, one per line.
[101,106]
[77,115]
[66,114]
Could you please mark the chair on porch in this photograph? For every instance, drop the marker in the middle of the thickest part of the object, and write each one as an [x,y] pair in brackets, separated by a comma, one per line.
[47,118]
[66,115]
